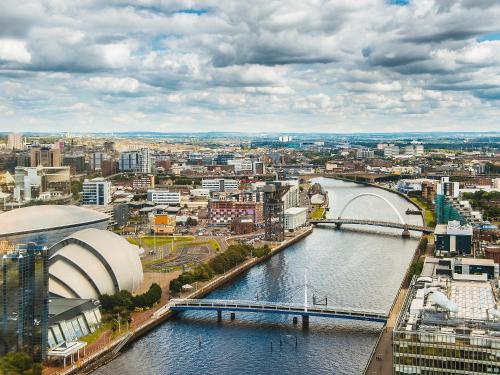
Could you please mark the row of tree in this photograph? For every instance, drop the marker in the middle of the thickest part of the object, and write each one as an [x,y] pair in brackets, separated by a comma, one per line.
[234,255]
[124,302]
[19,363]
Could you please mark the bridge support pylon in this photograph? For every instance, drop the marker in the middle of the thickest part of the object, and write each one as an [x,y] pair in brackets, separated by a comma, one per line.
[406,233]
[338,225]
[219,315]
[305,321]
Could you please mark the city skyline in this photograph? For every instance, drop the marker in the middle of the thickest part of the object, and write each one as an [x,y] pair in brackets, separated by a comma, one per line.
[310,66]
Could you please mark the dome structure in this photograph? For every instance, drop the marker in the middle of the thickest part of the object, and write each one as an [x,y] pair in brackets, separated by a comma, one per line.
[48,224]
[92,262]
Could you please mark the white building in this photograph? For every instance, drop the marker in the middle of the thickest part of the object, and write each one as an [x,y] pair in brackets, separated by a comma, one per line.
[15,141]
[447,188]
[391,151]
[200,193]
[220,185]
[295,217]
[241,165]
[363,153]
[160,196]
[96,192]
[136,161]
[291,198]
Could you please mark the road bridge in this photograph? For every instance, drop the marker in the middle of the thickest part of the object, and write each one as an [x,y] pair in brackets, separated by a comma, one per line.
[381,223]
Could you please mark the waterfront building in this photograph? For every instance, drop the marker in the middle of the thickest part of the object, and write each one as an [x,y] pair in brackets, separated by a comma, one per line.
[24,301]
[96,192]
[92,262]
[295,217]
[224,212]
[220,185]
[448,326]
[15,141]
[162,196]
[70,319]
[48,224]
[447,188]
[455,267]
[453,238]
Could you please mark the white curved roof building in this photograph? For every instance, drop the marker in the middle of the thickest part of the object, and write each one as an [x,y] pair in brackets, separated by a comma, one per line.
[92,262]
[48,224]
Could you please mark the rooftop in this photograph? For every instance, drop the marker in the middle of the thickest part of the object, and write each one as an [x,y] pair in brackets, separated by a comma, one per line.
[46,217]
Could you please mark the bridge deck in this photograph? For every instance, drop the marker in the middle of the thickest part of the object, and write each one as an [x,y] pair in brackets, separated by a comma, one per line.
[387,224]
[277,308]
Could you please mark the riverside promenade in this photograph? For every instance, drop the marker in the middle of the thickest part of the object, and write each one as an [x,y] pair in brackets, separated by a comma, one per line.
[106,350]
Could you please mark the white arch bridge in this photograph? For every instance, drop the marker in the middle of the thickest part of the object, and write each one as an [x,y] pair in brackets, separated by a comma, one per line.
[380,223]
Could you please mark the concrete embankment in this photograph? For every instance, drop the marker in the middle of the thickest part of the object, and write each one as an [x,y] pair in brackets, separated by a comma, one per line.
[103,356]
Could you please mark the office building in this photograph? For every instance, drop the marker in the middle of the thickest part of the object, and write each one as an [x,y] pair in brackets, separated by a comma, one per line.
[15,142]
[96,192]
[96,159]
[447,188]
[160,196]
[45,156]
[258,168]
[224,212]
[24,297]
[295,217]
[76,162]
[163,224]
[139,161]
[109,167]
[220,185]
[241,165]
[448,326]
[453,238]
[457,266]
[363,153]
[41,183]
[391,151]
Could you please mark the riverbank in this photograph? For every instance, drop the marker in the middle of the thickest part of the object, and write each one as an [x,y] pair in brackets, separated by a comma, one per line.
[161,314]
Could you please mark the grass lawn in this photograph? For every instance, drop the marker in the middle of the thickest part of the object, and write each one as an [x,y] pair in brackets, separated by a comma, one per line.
[430,219]
[160,240]
[89,339]
[318,213]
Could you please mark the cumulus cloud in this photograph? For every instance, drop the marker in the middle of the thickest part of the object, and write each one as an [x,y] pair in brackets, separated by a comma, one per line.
[218,63]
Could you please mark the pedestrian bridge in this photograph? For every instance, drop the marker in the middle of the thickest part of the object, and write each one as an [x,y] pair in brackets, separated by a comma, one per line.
[278,308]
[406,227]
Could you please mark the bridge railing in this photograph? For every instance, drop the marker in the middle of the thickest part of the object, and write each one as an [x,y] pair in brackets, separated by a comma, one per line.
[265,305]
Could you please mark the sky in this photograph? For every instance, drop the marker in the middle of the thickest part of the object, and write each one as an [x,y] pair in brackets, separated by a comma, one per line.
[250,66]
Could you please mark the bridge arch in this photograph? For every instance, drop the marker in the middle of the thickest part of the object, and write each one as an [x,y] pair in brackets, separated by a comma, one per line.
[373,195]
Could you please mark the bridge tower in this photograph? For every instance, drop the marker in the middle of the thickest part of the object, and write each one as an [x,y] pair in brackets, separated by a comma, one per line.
[273,214]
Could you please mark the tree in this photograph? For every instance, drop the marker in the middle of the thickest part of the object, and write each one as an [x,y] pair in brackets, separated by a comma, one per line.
[19,363]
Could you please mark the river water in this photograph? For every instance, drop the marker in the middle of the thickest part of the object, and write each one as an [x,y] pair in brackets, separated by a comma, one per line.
[353,267]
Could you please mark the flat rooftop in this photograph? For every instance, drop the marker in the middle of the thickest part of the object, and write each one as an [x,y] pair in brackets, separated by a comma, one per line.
[441,305]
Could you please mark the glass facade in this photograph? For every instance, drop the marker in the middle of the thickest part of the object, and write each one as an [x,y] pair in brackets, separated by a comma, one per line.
[24,297]
[445,211]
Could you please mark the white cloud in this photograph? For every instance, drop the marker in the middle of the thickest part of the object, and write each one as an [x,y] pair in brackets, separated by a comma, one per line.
[14,50]
[112,84]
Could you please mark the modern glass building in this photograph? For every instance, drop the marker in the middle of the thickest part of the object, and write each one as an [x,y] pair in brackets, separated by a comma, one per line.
[445,211]
[24,297]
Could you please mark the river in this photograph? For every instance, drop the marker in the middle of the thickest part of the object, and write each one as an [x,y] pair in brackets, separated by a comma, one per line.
[353,267]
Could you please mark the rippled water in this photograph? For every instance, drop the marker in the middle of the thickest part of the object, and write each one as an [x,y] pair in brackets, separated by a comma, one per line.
[353,267]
